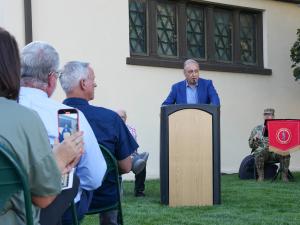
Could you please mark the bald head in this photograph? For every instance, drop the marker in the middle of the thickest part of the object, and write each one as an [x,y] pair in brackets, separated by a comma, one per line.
[122,113]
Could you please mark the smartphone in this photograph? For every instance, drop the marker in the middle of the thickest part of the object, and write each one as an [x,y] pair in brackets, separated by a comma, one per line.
[67,123]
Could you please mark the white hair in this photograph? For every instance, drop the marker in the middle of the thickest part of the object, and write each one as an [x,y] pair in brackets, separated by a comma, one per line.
[190,61]
[121,111]
[38,59]
[72,73]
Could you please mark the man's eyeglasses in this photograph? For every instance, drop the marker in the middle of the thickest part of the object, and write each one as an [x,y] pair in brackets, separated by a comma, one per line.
[94,83]
[55,73]
[190,72]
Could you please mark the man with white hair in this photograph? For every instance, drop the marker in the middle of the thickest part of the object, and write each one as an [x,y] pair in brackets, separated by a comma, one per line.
[39,65]
[78,81]
[140,176]
[192,90]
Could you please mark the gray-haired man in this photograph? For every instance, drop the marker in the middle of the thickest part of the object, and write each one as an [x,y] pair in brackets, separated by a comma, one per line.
[192,90]
[78,81]
[39,65]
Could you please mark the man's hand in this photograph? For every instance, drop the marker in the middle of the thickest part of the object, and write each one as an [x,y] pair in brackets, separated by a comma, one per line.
[68,153]
[72,164]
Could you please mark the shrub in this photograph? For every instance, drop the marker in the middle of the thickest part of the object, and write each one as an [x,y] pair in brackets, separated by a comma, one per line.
[295,56]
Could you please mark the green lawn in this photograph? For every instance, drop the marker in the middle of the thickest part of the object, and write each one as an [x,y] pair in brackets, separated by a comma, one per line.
[243,202]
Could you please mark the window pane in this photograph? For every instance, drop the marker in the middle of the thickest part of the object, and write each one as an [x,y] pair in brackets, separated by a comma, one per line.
[166,30]
[248,38]
[195,32]
[137,27]
[223,35]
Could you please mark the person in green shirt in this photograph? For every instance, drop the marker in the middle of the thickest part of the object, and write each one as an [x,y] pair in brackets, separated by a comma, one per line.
[24,129]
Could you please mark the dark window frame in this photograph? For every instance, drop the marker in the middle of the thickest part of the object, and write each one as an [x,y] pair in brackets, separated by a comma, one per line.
[176,18]
[192,4]
[233,41]
[146,34]
[210,64]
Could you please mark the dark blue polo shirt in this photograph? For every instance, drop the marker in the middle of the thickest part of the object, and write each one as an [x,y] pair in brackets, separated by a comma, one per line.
[110,131]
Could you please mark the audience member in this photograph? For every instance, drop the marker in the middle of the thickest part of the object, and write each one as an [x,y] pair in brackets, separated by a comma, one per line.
[24,129]
[78,81]
[39,66]
[140,177]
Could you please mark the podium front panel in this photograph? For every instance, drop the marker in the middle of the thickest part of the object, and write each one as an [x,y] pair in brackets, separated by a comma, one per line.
[190,155]
[190,158]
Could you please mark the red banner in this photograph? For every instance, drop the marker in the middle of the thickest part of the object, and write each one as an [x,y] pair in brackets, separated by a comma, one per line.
[284,136]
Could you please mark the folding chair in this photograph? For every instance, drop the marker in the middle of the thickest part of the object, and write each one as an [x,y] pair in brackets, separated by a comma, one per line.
[74,214]
[13,178]
[112,165]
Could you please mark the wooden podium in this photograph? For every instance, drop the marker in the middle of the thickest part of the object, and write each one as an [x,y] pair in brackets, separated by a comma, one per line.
[190,155]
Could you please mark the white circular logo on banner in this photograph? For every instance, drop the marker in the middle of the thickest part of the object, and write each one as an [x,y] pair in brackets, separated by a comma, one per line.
[283,136]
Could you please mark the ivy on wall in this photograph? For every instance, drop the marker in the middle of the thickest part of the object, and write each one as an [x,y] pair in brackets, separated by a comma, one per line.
[295,56]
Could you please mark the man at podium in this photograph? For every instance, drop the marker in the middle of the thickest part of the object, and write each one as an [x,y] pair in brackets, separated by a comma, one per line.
[260,148]
[192,90]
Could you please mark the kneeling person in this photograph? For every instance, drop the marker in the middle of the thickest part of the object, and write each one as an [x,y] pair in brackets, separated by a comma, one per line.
[260,148]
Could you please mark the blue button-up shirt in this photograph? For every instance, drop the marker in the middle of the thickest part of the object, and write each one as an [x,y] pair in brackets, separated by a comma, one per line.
[110,131]
[92,166]
[191,94]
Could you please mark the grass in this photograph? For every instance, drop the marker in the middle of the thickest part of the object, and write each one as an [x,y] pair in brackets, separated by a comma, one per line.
[244,202]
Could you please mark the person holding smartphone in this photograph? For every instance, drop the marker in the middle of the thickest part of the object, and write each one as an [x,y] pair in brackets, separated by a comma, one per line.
[39,66]
[24,130]
[78,81]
